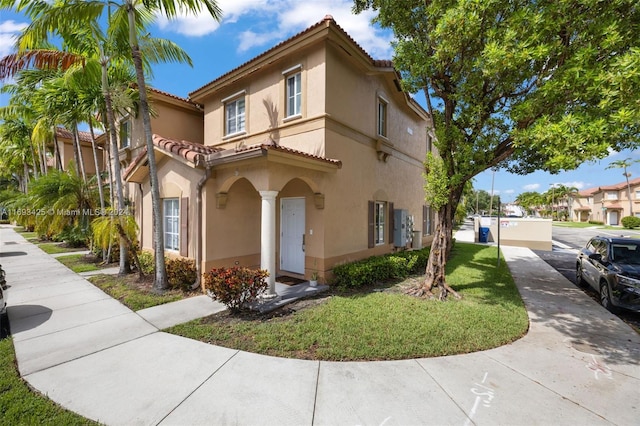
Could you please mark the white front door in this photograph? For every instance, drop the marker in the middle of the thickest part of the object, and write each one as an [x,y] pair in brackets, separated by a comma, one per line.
[292,228]
[613,218]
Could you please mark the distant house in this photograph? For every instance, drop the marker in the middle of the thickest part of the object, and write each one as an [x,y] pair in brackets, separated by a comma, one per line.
[607,204]
[64,140]
[311,155]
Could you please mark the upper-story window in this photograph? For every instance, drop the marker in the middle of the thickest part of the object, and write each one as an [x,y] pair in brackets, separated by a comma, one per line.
[612,195]
[382,117]
[637,194]
[125,134]
[234,116]
[294,94]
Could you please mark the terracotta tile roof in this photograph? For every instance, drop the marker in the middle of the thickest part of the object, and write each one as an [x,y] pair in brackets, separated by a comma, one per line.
[84,136]
[190,151]
[270,145]
[621,185]
[588,192]
[170,95]
[196,153]
[326,21]
[613,206]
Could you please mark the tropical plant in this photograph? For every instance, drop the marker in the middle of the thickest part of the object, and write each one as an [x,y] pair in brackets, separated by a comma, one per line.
[235,287]
[524,85]
[117,225]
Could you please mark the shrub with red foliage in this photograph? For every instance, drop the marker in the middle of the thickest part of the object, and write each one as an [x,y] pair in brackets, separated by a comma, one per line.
[236,286]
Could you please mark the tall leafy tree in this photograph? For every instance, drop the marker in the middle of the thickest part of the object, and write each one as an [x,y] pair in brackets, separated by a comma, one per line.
[531,201]
[520,84]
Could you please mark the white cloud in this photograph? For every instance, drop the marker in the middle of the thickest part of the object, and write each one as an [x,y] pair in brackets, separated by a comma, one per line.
[8,32]
[509,191]
[576,184]
[531,187]
[266,22]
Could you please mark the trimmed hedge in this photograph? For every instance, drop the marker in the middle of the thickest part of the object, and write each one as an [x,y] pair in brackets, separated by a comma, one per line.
[630,222]
[381,268]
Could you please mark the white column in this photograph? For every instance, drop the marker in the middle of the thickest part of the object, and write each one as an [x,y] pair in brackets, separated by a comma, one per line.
[268,240]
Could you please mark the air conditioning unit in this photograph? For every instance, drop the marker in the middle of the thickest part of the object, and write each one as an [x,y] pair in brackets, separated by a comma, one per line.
[400,227]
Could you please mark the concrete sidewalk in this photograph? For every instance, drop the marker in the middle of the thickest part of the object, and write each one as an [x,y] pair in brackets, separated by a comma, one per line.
[577,365]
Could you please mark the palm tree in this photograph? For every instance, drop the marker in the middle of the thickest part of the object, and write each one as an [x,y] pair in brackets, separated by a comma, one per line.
[623,164]
[169,9]
[128,20]
[16,148]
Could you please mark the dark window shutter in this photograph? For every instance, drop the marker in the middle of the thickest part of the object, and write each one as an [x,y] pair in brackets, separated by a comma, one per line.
[391,222]
[184,227]
[425,220]
[371,227]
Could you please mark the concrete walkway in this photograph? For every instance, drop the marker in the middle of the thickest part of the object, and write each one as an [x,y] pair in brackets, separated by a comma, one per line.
[577,365]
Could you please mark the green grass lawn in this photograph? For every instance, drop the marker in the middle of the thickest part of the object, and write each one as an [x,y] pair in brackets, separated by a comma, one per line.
[387,324]
[78,263]
[19,405]
[132,293]
[55,248]
[583,225]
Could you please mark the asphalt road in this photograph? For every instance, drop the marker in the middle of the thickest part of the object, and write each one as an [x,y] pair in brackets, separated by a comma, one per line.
[563,257]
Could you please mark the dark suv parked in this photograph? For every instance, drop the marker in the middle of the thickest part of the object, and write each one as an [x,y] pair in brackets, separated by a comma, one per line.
[612,267]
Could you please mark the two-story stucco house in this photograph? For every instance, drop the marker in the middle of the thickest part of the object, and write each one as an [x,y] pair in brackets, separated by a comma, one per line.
[608,204]
[308,150]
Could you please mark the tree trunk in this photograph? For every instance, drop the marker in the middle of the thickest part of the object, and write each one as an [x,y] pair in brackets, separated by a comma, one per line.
[95,162]
[33,159]
[76,137]
[131,248]
[160,281]
[56,149]
[125,267]
[435,272]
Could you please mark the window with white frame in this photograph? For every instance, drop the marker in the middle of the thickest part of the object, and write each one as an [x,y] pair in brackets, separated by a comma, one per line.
[637,194]
[125,134]
[234,116]
[294,95]
[382,117]
[380,219]
[612,195]
[171,217]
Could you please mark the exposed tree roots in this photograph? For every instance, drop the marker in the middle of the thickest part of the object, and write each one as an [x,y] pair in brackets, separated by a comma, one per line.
[425,291]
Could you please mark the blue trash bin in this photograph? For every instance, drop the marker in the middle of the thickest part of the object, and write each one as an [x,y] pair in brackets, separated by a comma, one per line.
[484,235]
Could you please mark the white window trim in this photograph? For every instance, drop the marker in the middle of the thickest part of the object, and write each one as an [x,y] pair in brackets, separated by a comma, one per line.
[227,101]
[382,100]
[126,122]
[292,69]
[291,73]
[164,221]
[376,223]
[235,95]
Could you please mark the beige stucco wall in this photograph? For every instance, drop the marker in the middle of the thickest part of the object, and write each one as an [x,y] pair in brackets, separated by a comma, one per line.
[176,180]
[345,130]
[66,155]
[338,121]
[521,232]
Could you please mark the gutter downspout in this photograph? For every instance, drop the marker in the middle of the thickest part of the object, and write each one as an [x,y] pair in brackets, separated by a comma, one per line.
[198,254]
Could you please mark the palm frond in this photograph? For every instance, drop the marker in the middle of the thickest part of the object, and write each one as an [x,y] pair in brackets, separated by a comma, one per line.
[11,64]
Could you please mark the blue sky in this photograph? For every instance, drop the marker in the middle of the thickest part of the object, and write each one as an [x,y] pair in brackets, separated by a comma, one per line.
[250,27]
